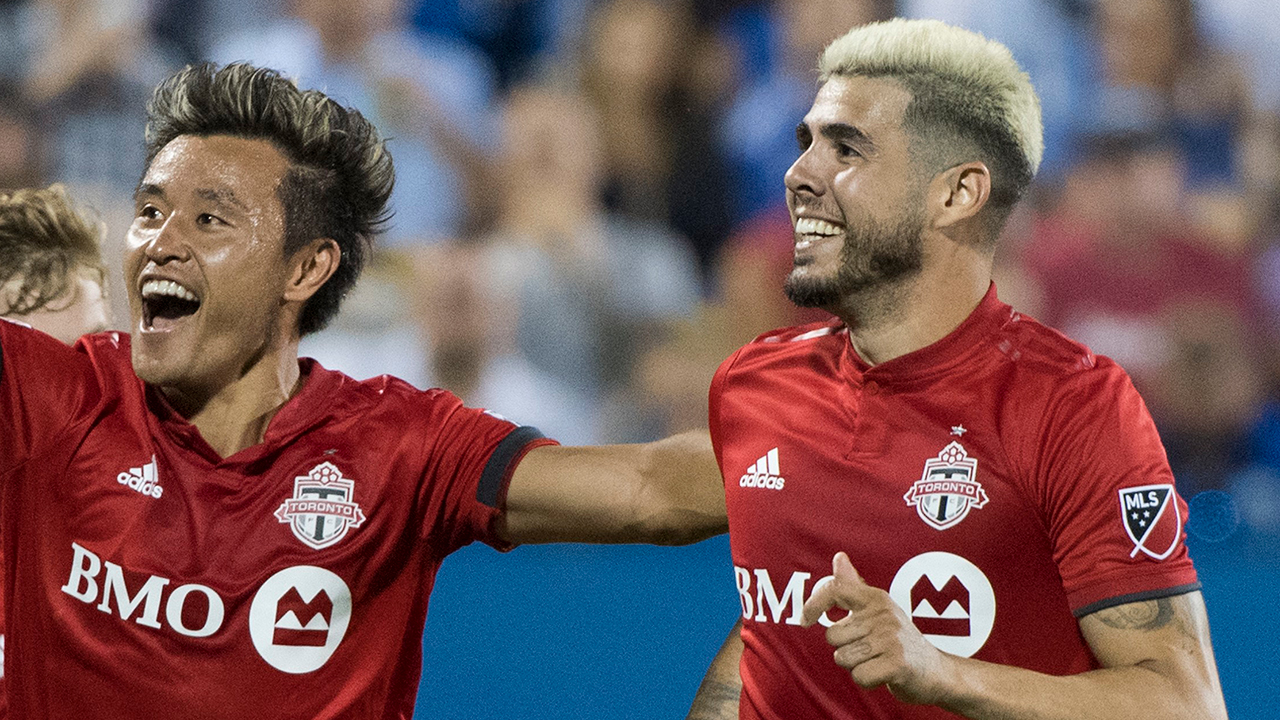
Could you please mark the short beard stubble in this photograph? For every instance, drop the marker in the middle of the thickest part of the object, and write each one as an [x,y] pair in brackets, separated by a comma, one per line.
[872,256]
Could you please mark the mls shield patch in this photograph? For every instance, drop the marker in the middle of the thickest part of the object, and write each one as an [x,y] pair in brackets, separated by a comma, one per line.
[1151,517]
[322,508]
[948,489]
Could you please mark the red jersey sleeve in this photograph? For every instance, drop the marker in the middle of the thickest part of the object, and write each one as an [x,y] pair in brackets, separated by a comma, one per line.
[1115,519]
[44,387]
[470,459]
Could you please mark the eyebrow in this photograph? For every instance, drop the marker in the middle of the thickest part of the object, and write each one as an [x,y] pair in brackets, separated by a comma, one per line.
[222,196]
[147,189]
[844,132]
[837,132]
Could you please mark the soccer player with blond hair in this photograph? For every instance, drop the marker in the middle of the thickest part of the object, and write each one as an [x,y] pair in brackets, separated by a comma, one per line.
[937,505]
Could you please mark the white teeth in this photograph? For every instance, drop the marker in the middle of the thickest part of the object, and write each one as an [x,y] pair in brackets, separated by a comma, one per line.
[156,288]
[811,226]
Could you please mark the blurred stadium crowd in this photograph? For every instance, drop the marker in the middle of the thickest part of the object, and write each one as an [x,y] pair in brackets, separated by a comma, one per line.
[589,206]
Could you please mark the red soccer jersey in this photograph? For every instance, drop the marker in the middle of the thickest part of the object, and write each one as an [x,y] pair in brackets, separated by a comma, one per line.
[999,484]
[147,577]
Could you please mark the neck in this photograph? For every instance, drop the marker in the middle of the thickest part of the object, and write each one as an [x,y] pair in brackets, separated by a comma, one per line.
[236,415]
[894,320]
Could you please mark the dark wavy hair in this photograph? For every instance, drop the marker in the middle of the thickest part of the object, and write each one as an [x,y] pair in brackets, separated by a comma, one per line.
[340,175]
[43,241]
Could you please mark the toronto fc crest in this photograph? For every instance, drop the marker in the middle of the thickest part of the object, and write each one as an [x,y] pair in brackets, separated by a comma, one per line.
[322,508]
[948,489]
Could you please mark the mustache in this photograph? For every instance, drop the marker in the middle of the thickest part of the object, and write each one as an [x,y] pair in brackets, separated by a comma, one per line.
[812,205]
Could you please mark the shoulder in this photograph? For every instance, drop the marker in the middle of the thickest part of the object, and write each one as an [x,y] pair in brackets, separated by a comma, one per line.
[820,343]
[823,337]
[1048,364]
[384,401]
[1057,388]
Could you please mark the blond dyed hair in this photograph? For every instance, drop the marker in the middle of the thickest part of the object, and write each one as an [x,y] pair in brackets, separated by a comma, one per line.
[968,95]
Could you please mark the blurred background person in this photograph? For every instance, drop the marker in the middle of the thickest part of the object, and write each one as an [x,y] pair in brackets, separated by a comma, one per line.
[592,288]
[657,77]
[431,94]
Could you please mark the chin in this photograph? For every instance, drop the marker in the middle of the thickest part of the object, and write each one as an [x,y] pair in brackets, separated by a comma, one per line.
[155,371]
[807,290]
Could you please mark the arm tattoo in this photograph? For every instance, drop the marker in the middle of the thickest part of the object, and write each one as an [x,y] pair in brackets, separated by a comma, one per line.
[716,700]
[1147,615]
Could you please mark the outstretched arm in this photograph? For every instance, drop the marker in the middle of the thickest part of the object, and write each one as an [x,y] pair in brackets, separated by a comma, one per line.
[667,492]
[717,697]
[1156,657]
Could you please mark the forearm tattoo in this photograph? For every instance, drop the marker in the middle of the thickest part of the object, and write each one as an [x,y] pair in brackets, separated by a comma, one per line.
[715,701]
[1147,615]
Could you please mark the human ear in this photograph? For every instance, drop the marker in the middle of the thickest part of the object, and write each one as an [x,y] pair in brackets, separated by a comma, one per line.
[312,265]
[959,193]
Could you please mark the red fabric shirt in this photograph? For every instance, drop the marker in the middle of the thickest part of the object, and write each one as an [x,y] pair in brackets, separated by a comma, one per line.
[999,484]
[145,576]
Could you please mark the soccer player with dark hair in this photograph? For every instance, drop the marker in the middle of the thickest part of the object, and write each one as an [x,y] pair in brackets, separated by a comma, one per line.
[198,523]
[973,512]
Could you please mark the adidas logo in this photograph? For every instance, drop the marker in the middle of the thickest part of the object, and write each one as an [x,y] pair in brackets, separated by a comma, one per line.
[144,479]
[764,473]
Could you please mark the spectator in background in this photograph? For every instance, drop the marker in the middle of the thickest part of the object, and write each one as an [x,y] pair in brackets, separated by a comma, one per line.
[521,37]
[1158,70]
[473,350]
[88,66]
[20,141]
[658,81]
[431,94]
[591,288]
[1123,269]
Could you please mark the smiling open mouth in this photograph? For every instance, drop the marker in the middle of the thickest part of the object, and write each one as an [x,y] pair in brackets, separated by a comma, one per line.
[165,302]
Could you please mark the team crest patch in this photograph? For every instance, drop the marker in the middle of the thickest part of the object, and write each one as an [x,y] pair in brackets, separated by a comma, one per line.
[1152,519]
[322,508]
[948,489]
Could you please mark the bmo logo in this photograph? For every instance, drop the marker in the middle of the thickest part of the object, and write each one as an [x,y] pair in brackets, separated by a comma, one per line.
[190,609]
[299,617]
[949,599]
[296,621]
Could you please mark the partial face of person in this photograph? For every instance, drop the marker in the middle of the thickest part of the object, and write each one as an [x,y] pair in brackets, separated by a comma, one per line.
[205,266]
[82,309]
[856,203]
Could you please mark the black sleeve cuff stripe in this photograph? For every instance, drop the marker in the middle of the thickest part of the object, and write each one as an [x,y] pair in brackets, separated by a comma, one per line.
[495,471]
[1136,597]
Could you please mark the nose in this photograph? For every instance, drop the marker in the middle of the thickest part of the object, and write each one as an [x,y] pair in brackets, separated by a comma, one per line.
[166,244]
[803,175]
